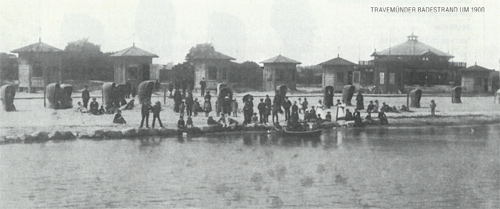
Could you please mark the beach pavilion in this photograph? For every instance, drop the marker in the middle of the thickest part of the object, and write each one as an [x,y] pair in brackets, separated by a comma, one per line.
[279,70]
[39,65]
[132,64]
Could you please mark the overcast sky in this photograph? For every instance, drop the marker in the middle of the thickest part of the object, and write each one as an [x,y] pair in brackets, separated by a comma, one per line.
[308,31]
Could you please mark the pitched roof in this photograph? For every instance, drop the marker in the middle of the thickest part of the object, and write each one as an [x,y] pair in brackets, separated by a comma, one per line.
[280,59]
[133,52]
[411,47]
[338,61]
[215,55]
[37,47]
[476,68]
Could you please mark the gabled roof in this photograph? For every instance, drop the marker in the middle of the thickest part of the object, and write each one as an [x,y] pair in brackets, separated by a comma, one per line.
[37,47]
[476,68]
[214,55]
[338,61]
[280,59]
[412,47]
[133,52]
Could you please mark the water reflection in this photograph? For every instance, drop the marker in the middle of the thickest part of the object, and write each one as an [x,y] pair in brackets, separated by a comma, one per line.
[427,167]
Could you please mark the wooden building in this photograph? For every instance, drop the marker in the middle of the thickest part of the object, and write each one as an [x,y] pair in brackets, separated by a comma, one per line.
[39,65]
[338,72]
[476,79]
[413,63]
[132,64]
[279,70]
[213,67]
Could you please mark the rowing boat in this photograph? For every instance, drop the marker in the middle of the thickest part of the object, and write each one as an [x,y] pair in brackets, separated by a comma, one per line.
[310,133]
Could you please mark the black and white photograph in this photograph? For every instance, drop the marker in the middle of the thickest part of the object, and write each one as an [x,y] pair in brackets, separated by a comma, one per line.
[249,104]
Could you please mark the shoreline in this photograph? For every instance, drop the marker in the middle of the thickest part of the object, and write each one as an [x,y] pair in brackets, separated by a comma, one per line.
[59,133]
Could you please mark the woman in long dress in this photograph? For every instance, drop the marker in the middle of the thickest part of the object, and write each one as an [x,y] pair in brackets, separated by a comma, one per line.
[207,107]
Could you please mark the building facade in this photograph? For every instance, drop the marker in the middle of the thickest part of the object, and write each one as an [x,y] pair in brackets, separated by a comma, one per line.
[476,79]
[338,72]
[279,70]
[132,65]
[212,66]
[413,63]
[39,65]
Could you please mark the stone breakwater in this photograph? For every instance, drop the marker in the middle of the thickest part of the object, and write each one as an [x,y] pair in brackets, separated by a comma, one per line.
[131,133]
[106,134]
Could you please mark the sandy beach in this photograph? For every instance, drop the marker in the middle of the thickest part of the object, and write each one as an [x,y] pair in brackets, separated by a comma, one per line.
[31,115]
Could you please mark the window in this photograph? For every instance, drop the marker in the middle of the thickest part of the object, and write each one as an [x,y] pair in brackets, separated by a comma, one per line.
[212,73]
[224,73]
[356,77]
[392,78]
[382,78]
[340,77]
[37,70]
[477,82]
[279,75]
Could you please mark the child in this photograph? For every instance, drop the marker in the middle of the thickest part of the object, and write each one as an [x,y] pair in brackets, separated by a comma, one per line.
[189,122]
[433,108]
[255,119]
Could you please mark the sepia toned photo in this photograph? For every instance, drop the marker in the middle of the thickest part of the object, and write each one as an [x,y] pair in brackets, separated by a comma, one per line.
[249,104]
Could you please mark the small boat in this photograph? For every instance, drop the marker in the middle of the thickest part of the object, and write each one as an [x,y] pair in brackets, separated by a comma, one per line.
[310,133]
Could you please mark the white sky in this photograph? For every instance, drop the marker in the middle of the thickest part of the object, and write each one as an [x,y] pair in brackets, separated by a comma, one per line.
[307,31]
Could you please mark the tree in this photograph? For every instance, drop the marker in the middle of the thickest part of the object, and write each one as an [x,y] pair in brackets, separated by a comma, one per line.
[199,50]
[247,74]
[8,67]
[84,60]
[182,74]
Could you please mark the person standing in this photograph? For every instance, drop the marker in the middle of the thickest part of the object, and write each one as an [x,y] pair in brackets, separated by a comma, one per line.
[203,85]
[359,101]
[286,105]
[262,110]
[268,101]
[275,111]
[182,107]
[156,114]
[196,107]
[207,106]
[145,114]
[304,105]
[234,106]
[157,85]
[295,109]
[226,104]
[247,112]
[433,108]
[85,96]
[177,100]
[133,92]
[189,104]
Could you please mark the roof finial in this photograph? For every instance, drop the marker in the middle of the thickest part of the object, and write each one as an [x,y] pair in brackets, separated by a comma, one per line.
[133,43]
[338,51]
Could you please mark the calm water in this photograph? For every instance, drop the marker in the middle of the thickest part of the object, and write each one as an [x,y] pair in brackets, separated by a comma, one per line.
[453,167]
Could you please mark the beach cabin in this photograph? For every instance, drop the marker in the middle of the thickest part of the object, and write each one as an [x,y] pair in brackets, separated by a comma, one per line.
[339,72]
[279,70]
[39,65]
[132,64]
[476,79]
[214,67]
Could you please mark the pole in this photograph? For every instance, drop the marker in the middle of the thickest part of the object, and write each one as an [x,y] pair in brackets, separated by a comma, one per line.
[164,96]
[44,100]
[337,114]
[408,100]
